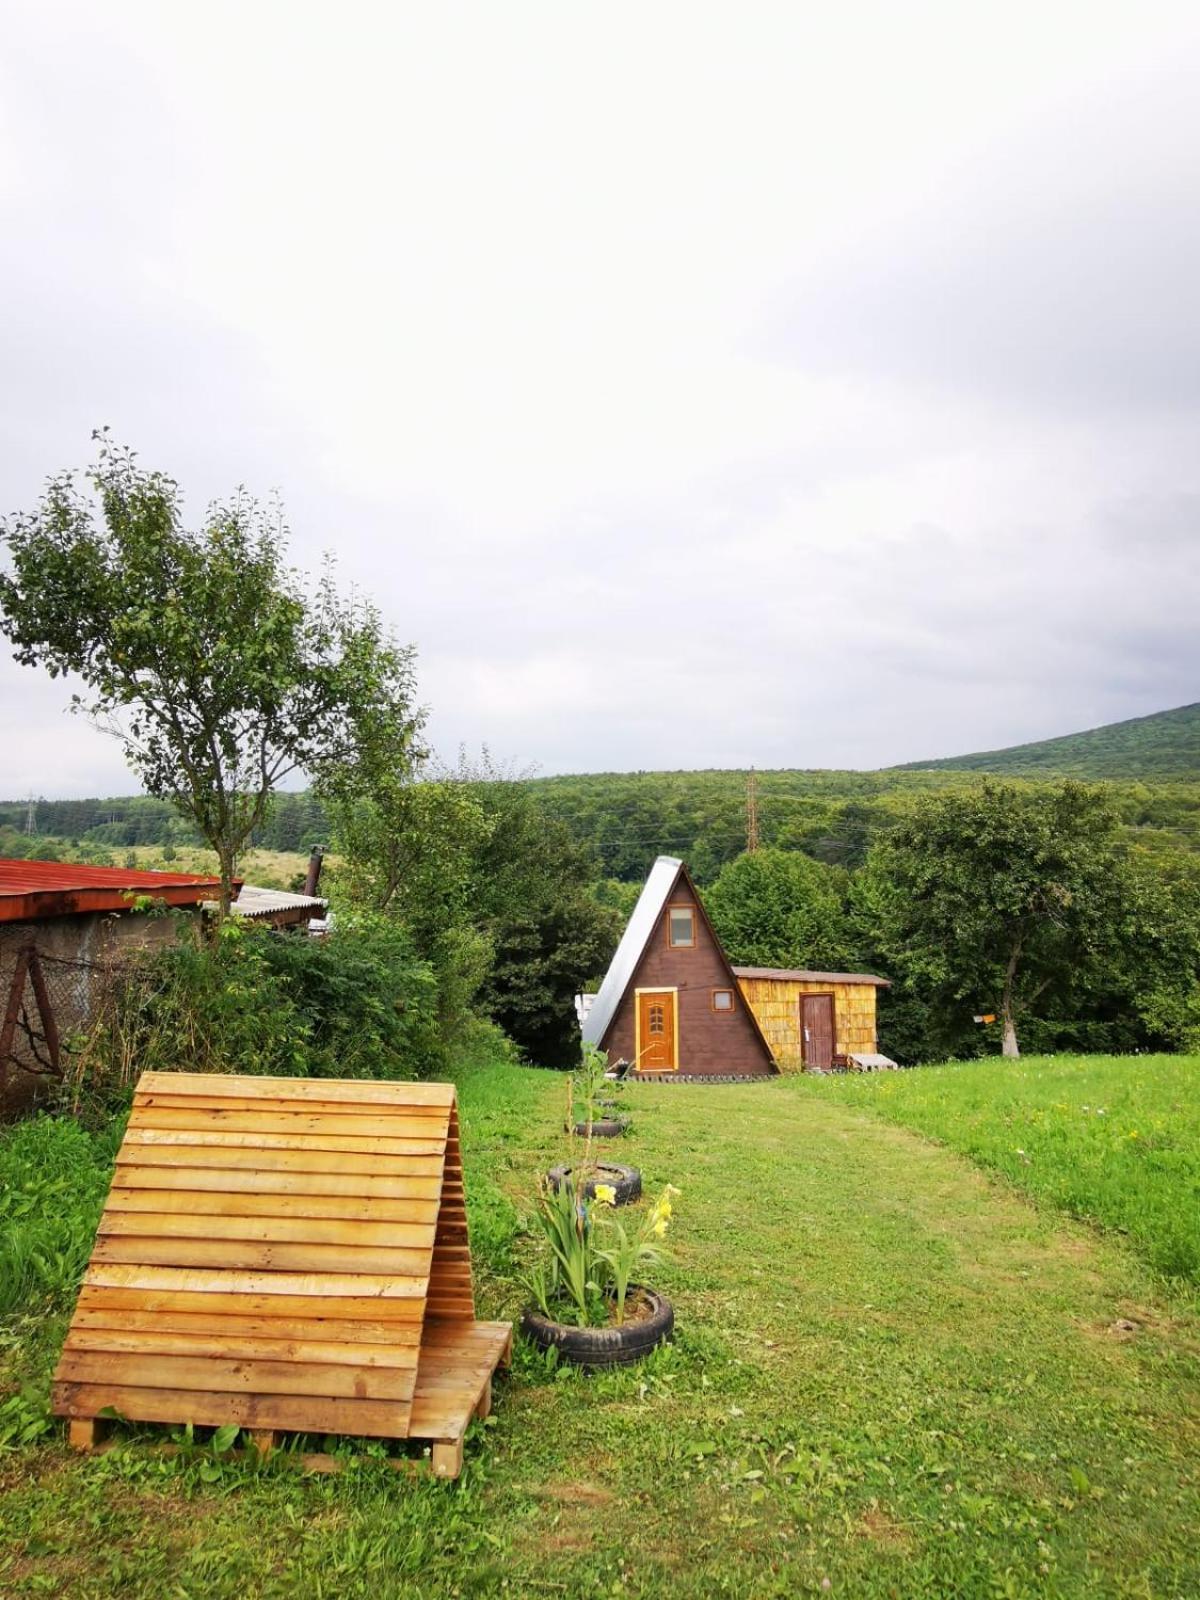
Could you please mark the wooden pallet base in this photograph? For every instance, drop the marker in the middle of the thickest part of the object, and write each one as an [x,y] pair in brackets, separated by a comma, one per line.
[453,1386]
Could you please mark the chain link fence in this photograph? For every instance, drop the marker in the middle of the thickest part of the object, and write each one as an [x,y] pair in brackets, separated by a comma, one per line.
[48,1001]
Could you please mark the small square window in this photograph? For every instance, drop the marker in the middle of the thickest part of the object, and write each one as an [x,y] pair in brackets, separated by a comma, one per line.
[682,926]
[722,999]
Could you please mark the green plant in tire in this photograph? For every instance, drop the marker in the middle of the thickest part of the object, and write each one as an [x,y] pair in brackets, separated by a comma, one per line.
[587,1083]
[593,1257]
[569,1275]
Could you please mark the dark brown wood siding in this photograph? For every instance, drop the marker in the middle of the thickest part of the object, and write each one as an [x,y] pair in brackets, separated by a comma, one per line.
[710,1042]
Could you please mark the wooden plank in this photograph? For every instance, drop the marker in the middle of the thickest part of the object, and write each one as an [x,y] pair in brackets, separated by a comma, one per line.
[216,1139]
[83,1433]
[125,1202]
[384,1286]
[217,1224]
[272,1104]
[249,1255]
[447,1458]
[376,1419]
[213,1375]
[200,1117]
[247,1158]
[370,1091]
[149,1343]
[356,1332]
[224,1178]
[212,1301]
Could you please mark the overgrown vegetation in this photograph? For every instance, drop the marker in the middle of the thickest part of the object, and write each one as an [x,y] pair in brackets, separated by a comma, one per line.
[362,1005]
[53,1178]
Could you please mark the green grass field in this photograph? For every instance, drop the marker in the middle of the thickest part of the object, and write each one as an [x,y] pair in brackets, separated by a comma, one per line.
[1112,1139]
[894,1376]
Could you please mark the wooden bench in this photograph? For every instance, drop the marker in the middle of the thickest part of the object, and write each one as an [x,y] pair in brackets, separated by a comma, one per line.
[286,1254]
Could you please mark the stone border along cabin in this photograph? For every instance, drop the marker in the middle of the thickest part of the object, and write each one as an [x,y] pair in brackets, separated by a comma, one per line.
[673,1006]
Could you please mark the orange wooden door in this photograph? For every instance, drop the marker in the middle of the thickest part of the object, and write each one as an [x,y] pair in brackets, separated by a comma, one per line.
[656,1031]
[816,1029]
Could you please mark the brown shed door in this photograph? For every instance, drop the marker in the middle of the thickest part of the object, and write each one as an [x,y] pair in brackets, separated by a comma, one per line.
[816,1029]
[656,1031]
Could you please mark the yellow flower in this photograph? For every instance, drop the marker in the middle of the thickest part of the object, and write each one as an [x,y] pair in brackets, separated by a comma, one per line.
[606,1194]
[660,1227]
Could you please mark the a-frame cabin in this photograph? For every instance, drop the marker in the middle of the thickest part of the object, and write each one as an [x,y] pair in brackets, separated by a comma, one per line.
[670,1002]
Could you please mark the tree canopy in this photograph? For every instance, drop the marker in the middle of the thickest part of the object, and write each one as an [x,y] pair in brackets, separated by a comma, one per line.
[992,898]
[778,908]
[200,650]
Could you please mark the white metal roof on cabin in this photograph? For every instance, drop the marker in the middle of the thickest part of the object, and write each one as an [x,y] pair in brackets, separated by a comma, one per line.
[650,906]
[253,901]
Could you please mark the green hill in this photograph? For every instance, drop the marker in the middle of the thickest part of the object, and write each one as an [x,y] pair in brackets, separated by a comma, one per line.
[1165,745]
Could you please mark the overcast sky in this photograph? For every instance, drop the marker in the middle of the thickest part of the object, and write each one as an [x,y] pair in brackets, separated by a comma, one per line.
[798,385]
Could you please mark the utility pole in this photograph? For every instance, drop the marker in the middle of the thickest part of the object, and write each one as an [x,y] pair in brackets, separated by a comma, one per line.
[30,814]
[751,812]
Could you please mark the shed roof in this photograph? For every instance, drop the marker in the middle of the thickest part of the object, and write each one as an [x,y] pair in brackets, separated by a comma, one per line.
[277,905]
[795,975]
[31,891]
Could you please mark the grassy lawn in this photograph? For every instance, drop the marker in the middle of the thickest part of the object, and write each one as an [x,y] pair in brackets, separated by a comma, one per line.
[892,1377]
[1113,1139]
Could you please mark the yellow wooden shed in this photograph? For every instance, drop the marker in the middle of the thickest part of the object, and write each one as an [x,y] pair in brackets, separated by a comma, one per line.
[815,1021]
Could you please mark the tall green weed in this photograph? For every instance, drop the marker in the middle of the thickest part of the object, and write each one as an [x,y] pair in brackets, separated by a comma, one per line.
[53,1179]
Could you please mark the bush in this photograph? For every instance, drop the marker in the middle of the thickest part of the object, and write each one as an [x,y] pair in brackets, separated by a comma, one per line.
[252,1001]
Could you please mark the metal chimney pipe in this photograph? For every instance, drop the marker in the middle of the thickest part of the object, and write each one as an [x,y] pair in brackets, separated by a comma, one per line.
[313,876]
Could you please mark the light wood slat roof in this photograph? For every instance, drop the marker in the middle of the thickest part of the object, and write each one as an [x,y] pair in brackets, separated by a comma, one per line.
[268,1253]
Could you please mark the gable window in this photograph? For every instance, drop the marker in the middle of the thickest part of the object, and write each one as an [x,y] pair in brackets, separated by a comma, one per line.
[722,1000]
[681,928]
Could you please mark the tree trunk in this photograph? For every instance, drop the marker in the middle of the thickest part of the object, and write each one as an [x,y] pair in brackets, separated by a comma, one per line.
[1008,1046]
[225,858]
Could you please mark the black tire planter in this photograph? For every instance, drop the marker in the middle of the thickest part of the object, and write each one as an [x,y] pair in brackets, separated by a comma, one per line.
[603,1347]
[627,1181]
[602,1128]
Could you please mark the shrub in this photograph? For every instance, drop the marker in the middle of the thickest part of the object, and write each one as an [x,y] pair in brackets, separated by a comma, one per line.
[252,1001]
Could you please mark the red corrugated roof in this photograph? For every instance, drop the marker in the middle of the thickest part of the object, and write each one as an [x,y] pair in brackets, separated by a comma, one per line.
[32,890]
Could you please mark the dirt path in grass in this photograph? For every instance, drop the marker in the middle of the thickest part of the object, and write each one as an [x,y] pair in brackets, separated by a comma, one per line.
[892,1378]
[892,1374]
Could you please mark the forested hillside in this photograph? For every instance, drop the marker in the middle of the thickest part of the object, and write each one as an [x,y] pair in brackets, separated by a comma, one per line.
[1165,745]
[627,818]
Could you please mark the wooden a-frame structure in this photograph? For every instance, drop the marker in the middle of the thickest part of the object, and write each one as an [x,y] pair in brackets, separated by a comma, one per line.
[287,1254]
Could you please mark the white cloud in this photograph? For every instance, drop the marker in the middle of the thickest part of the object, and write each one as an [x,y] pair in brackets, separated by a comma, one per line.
[693,385]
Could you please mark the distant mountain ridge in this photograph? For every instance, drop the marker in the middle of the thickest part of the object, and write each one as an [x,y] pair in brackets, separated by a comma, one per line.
[1165,744]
